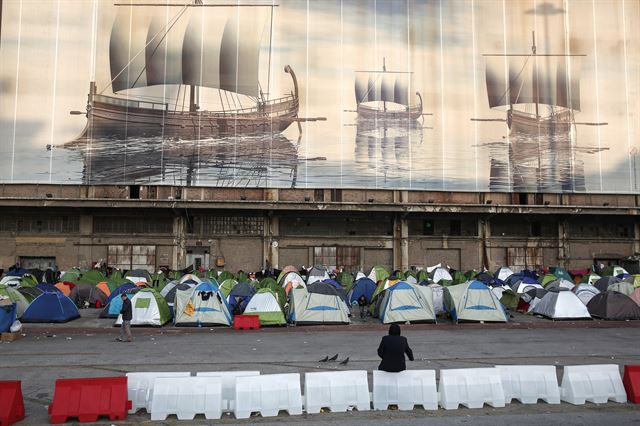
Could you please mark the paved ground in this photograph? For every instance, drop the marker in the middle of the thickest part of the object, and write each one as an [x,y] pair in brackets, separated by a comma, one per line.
[86,349]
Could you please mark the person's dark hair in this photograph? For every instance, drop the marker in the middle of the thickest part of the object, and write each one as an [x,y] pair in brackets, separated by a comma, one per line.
[394,330]
[123,294]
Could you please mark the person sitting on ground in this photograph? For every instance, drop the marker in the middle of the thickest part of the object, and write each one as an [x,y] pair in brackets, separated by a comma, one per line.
[362,302]
[392,349]
[127,314]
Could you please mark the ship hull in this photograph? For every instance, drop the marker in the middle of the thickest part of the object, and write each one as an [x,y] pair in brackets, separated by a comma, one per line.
[369,113]
[111,117]
[524,123]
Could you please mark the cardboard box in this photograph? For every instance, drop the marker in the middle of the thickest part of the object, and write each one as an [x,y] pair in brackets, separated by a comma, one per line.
[11,337]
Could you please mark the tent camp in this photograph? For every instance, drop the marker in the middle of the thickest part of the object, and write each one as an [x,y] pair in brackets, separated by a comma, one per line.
[149,308]
[291,280]
[16,297]
[87,294]
[202,305]
[612,305]
[362,287]
[239,297]
[407,302]
[319,303]
[317,273]
[585,292]
[563,304]
[51,307]
[473,301]
[265,304]
[622,287]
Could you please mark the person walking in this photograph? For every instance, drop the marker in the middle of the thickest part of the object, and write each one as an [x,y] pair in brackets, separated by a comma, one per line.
[392,349]
[363,303]
[127,313]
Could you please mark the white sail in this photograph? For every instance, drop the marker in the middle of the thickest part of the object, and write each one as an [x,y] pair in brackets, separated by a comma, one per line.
[382,86]
[533,79]
[126,49]
[218,49]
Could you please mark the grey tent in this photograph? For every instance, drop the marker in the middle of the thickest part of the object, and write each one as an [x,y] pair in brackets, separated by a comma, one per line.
[612,305]
[319,303]
[533,296]
[585,292]
[317,273]
[603,283]
[563,304]
[87,294]
[622,287]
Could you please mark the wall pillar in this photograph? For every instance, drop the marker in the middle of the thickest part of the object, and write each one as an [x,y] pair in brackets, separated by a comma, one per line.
[485,234]
[636,237]
[564,253]
[400,243]
[179,242]
[271,243]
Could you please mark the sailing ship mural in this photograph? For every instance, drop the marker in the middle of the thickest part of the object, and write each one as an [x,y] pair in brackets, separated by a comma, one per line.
[541,95]
[386,95]
[175,50]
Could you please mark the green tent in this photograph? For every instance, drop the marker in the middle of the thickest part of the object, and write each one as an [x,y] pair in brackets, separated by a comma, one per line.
[590,278]
[458,278]
[509,299]
[15,296]
[613,271]
[225,275]
[227,285]
[378,273]
[72,275]
[28,280]
[561,273]
[423,276]
[346,279]
[265,304]
[546,279]
[92,276]
[241,276]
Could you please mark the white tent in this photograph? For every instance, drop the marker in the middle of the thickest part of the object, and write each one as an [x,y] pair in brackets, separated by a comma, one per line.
[190,277]
[585,292]
[265,304]
[406,302]
[149,308]
[521,287]
[440,274]
[202,305]
[473,301]
[563,304]
[438,298]
[317,308]
[504,273]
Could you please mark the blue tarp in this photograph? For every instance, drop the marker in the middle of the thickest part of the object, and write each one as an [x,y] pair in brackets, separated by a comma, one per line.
[48,288]
[124,287]
[51,307]
[363,287]
[7,317]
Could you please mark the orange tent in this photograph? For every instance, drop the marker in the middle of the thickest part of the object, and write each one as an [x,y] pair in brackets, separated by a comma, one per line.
[64,288]
[105,288]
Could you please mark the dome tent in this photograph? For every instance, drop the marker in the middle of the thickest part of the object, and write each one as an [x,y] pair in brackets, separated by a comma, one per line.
[16,297]
[562,304]
[406,302]
[202,305]
[585,292]
[473,301]
[240,296]
[319,303]
[265,304]
[51,307]
[362,287]
[149,308]
[613,306]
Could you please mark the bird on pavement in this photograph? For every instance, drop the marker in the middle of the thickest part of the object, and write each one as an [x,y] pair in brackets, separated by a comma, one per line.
[345,361]
[325,359]
[333,358]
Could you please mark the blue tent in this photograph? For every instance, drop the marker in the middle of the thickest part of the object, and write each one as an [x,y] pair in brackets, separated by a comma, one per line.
[7,316]
[51,307]
[124,287]
[362,287]
[17,272]
[240,295]
[404,302]
[48,288]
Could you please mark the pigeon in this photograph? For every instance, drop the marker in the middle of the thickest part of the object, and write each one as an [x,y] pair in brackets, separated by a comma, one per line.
[333,358]
[346,360]
[325,359]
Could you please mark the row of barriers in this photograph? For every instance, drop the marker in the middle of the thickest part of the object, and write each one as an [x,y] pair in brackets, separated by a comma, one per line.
[245,392]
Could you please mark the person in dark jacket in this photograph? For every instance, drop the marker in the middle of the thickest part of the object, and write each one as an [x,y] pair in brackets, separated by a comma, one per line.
[392,349]
[127,313]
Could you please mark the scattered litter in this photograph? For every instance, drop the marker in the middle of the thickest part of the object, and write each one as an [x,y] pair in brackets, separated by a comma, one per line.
[68,338]
[253,349]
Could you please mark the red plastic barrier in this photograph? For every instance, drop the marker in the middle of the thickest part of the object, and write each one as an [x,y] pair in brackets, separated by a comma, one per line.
[87,399]
[246,322]
[631,382]
[11,403]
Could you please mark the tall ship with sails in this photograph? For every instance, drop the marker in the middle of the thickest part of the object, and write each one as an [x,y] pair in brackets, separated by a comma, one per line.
[385,95]
[201,47]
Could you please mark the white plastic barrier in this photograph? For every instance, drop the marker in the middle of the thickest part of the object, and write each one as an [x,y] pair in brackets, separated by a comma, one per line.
[528,383]
[186,397]
[268,394]
[597,383]
[228,384]
[405,389]
[140,388]
[336,391]
[471,387]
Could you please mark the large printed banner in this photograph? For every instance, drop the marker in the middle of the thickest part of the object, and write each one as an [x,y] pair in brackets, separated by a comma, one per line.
[451,95]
